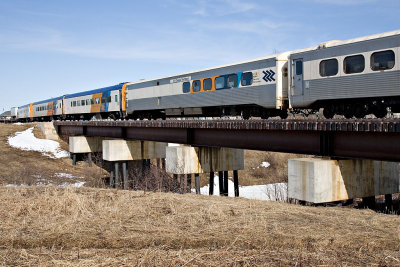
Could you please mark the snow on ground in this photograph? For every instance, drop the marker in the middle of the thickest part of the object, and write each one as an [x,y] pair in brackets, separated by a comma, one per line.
[27,141]
[274,192]
[77,184]
[18,123]
[265,164]
[65,175]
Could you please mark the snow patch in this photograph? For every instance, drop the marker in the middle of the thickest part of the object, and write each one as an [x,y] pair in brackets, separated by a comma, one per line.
[65,175]
[18,123]
[77,184]
[273,192]
[27,141]
[265,164]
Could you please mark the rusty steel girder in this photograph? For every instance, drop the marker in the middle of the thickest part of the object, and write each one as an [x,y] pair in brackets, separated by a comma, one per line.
[368,139]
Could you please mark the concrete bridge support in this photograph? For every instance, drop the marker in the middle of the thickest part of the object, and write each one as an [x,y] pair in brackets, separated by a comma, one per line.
[188,160]
[321,180]
[79,145]
[123,151]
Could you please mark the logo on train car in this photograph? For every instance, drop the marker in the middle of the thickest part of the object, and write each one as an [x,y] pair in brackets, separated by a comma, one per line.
[269,76]
[180,80]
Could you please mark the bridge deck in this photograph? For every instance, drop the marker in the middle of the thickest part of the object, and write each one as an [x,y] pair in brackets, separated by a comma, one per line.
[372,139]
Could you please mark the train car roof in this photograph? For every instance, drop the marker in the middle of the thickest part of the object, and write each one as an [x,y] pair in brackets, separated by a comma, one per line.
[48,100]
[278,56]
[42,101]
[334,43]
[96,91]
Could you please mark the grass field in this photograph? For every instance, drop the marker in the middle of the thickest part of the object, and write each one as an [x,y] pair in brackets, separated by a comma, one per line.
[49,225]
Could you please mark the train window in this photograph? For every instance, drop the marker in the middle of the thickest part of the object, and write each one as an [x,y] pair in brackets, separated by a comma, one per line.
[299,67]
[354,64]
[109,99]
[328,67]
[186,87]
[83,102]
[97,100]
[382,60]
[103,100]
[207,84]
[220,83]
[247,78]
[92,101]
[196,86]
[71,104]
[232,81]
[116,98]
[78,103]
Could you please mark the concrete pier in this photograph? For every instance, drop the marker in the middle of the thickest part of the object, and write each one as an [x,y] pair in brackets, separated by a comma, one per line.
[123,151]
[321,180]
[196,160]
[84,145]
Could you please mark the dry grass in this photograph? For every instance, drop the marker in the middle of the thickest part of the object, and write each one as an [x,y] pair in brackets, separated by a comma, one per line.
[86,227]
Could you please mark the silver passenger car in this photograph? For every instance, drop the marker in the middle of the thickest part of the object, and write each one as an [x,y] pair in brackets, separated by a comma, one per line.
[353,78]
[256,87]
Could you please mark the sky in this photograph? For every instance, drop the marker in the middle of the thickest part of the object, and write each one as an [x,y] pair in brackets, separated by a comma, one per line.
[49,48]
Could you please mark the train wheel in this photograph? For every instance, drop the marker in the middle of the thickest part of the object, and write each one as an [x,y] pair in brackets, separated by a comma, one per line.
[328,113]
[380,112]
[265,115]
[246,114]
[283,114]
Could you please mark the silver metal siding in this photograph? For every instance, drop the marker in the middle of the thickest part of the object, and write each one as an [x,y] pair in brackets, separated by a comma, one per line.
[260,95]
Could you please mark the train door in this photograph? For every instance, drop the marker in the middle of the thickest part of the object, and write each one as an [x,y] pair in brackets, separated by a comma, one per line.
[297,86]
[296,97]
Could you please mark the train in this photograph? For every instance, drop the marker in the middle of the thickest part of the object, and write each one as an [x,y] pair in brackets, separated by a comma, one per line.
[352,78]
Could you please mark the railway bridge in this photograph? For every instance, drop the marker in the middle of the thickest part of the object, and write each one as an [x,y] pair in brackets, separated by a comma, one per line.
[354,152]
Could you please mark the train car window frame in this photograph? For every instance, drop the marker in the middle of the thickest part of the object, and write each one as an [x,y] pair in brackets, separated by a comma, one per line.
[103,100]
[299,67]
[196,84]
[92,101]
[186,87]
[326,70]
[207,84]
[350,64]
[97,101]
[218,84]
[246,79]
[78,103]
[232,83]
[109,99]
[116,98]
[83,102]
[383,65]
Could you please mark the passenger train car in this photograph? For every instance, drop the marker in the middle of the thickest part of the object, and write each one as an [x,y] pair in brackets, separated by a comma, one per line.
[352,78]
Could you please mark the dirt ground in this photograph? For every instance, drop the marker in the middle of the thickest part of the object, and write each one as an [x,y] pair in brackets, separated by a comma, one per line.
[50,226]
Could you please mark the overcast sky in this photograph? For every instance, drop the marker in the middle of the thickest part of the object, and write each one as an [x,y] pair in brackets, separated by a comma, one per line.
[55,47]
